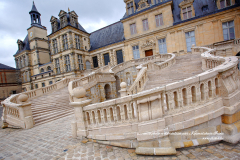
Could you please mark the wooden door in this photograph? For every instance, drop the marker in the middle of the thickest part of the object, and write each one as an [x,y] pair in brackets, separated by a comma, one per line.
[148,53]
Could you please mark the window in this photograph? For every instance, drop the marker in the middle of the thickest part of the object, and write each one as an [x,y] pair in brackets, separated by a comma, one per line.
[119,56]
[228,30]
[159,20]
[77,40]
[42,70]
[205,8]
[50,82]
[187,12]
[130,8]
[80,62]
[57,66]
[162,46]
[36,86]
[136,54]
[67,62]
[106,59]
[65,42]
[43,84]
[225,3]
[55,48]
[88,65]
[145,25]
[133,29]
[95,62]
[190,40]
[49,68]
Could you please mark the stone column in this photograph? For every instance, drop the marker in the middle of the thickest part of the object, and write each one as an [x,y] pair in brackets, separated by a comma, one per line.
[79,125]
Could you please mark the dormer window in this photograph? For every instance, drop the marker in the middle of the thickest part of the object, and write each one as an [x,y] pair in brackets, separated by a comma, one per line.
[130,8]
[20,45]
[187,12]
[205,8]
[187,9]
[63,21]
[225,3]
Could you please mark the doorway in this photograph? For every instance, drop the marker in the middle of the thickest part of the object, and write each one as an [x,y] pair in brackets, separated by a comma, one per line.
[148,53]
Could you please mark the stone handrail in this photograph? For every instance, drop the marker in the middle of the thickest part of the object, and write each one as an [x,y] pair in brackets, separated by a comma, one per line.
[136,62]
[172,106]
[18,113]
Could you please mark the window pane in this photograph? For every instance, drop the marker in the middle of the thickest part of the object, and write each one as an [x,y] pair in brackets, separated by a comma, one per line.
[231,31]
[224,25]
[225,34]
[222,4]
[189,8]
[184,10]
[184,16]
[230,24]
[190,14]
[228,2]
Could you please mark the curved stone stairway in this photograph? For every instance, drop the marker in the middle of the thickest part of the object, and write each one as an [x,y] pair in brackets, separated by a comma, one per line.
[186,66]
[51,106]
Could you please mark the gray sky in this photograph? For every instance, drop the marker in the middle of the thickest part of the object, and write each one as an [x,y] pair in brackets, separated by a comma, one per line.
[15,18]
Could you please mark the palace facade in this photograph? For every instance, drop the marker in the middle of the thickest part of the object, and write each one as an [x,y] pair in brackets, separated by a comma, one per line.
[149,27]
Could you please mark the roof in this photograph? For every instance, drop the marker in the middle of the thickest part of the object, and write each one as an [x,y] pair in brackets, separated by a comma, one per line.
[26,45]
[111,34]
[34,8]
[3,66]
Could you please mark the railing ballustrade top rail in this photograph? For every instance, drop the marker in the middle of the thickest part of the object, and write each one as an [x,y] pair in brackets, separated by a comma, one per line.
[162,101]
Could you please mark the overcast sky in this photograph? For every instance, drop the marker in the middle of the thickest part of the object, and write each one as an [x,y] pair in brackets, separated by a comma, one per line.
[15,18]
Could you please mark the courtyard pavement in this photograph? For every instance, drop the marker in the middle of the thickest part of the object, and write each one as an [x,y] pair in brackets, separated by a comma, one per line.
[53,140]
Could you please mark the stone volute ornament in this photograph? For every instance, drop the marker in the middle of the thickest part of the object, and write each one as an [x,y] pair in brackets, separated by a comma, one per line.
[79,94]
[22,98]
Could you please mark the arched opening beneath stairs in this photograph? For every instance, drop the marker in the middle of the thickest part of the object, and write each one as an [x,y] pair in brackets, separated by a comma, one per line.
[107,89]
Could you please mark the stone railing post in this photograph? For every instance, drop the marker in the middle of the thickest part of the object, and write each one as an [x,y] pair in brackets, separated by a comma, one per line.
[123,91]
[80,100]
[25,111]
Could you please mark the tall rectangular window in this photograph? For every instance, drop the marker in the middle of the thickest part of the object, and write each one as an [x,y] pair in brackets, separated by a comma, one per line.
[225,3]
[187,12]
[106,59]
[133,29]
[119,56]
[162,46]
[136,54]
[80,62]
[65,42]
[57,66]
[67,62]
[228,30]
[77,40]
[145,24]
[159,20]
[130,8]
[190,40]
[55,47]
[95,62]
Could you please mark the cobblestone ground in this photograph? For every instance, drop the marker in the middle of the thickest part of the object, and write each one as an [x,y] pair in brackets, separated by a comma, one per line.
[53,141]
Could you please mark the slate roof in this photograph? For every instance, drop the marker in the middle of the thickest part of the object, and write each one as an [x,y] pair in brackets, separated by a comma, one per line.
[3,66]
[26,45]
[111,34]
[34,8]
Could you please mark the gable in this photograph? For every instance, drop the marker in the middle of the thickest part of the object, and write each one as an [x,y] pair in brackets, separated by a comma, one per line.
[53,19]
[61,13]
[74,13]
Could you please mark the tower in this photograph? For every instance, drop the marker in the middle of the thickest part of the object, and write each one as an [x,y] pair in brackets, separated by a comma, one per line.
[35,16]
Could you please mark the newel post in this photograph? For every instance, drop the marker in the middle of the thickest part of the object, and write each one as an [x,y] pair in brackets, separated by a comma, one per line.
[123,91]
[79,128]
[25,111]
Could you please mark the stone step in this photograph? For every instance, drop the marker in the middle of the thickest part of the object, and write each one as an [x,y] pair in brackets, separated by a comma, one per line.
[49,109]
[50,114]
[43,121]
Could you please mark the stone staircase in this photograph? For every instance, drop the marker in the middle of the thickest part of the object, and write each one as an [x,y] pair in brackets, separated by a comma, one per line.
[186,66]
[51,106]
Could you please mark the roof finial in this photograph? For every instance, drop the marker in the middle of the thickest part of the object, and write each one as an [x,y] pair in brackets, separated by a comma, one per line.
[68,9]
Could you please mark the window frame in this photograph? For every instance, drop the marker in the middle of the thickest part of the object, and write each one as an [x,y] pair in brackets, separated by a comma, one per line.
[135,49]
[130,7]
[159,17]
[133,29]
[228,30]
[77,41]
[80,62]
[187,12]
[191,39]
[65,42]
[57,63]
[67,63]
[145,25]
[162,43]
[55,46]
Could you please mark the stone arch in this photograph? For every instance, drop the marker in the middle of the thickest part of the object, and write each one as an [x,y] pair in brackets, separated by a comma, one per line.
[194,97]
[125,112]
[42,70]
[88,65]
[88,118]
[93,117]
[105,115]
[217,86]
[108,93]
[111,114]
[210,89]
[175,97]
[118,113]
[184,96]
[49,68]
[99,116]
[202,90]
